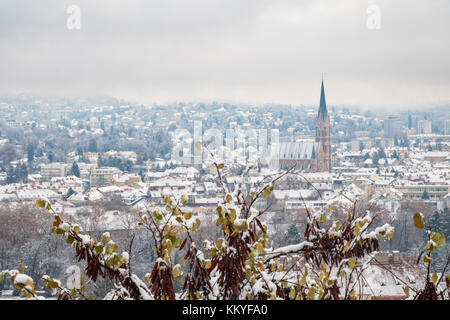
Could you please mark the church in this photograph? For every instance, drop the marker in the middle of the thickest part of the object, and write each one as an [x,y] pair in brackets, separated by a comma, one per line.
[310,155]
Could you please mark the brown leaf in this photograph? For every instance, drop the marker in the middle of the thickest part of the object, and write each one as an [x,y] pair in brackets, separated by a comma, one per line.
[182,245]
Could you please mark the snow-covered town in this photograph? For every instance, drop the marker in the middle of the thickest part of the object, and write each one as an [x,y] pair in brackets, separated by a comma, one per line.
[401,171]
[224,150]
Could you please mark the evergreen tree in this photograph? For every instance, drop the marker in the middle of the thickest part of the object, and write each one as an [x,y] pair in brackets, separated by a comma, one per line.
[425,195]
[375,159]
[23,173]
[50,156]
[395,155]
[30,154]
[292,235]
[11,175]
[75,170]
[92,145]
[440,222]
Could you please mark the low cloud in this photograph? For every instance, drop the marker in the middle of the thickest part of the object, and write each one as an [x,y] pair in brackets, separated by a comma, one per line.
[253,51]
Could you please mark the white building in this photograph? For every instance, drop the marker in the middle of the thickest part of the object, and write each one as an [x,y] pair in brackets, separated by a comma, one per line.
[424,127]
[54,170]
[101,175]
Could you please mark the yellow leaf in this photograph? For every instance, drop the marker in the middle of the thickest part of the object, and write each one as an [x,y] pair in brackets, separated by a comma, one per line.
[229,198]
[323,218]
[438,238]
[427,259]
[177,271]
[220,166]
[21,268]
[219,243]
[346,246]
[434,278]
[311,293]
[406,290]
[349,216]
[30,283]
[196,224]
[232,215]
[303,280]
[330,208]
[98,249]
[292,294]
[198,145]
[352,293]
[418,220]
[267,192]
[167,199]
[40,203]
[187,215]
[243,226]
[157,215]
[351,263]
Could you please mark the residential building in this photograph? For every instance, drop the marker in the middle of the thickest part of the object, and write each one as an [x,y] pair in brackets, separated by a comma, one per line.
[54,170]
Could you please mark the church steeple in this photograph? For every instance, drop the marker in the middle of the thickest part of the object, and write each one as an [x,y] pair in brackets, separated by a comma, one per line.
[323,135]
[323,105]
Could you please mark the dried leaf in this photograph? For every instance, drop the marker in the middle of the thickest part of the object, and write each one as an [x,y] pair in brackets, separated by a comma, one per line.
[418,220]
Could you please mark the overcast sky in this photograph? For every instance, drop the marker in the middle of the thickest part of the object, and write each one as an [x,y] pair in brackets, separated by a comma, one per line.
[233,50]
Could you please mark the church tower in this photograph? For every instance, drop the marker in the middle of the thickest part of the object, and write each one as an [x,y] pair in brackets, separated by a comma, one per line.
[323,135]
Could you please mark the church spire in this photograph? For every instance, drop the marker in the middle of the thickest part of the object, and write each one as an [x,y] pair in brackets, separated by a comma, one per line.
[323,105]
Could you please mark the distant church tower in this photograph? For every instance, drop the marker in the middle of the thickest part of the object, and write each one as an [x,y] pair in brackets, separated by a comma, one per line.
[323,135]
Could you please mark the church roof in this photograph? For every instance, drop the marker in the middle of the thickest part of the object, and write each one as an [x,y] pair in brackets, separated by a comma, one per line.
[297,150]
